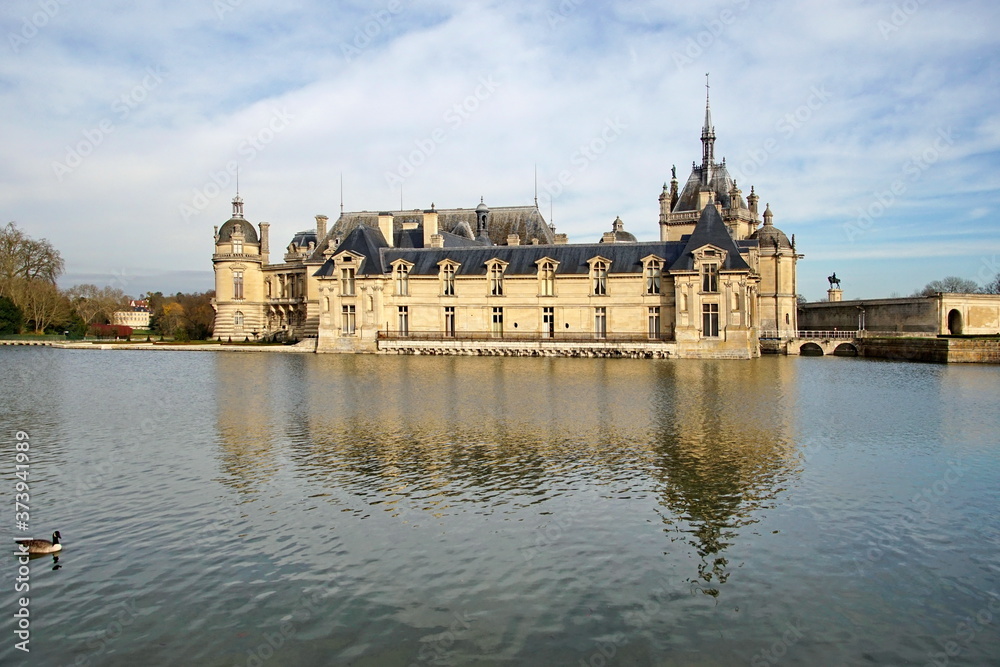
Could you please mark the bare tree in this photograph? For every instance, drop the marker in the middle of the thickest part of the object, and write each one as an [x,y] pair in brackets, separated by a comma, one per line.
[949,284]
[992,287]
[41,302]
[93,303]
[22,257]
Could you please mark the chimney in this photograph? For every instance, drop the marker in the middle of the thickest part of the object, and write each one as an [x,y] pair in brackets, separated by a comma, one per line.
[513,239]
[561,239]
[430,225]
[321,227]
[609,237]
[437,241]
[265,247]
[385,226]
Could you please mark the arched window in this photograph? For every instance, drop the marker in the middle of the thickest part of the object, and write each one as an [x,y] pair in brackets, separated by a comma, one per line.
[547,279]
[402,274]
[448,280]
[600,273]
[654,275]
[238,320]
[496,280]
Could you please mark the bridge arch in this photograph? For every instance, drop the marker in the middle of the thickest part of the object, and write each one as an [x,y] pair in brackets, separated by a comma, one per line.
[846,350]
[811,350]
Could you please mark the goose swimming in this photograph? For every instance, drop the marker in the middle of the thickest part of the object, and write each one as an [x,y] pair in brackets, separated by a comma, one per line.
[37,546]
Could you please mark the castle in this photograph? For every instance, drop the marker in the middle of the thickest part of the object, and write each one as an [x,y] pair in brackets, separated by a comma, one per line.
[501,281]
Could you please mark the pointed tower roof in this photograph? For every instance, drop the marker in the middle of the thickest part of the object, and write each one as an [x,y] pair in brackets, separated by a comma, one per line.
[710,230]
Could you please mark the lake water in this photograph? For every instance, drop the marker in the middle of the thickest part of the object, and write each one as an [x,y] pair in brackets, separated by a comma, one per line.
[272,509]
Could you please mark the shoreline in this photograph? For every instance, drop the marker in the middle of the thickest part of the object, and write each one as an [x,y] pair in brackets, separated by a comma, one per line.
[304,347]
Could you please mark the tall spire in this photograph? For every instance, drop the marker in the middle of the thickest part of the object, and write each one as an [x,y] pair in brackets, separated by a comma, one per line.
[237,200]
[707,132]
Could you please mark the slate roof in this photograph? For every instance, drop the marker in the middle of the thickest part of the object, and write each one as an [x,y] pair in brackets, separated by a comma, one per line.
[710,230]
[249,232]
[720,183]
[625,258]
[525,221]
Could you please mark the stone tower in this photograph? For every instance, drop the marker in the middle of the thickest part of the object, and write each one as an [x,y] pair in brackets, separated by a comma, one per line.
[240,254]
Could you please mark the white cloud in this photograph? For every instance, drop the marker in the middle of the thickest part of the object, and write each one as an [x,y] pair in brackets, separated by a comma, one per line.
[821,107]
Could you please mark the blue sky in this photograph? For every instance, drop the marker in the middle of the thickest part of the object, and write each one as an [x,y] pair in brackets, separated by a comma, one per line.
[871,128]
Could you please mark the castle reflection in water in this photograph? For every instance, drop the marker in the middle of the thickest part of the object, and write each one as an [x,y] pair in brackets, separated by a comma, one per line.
[713,441]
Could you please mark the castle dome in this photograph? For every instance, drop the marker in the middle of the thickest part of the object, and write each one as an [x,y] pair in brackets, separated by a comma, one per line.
[770,236]
[249,232]
[237,222]
[621,236]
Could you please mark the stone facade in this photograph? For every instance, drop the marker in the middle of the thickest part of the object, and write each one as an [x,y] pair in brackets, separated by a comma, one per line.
[501,281]
[938,314]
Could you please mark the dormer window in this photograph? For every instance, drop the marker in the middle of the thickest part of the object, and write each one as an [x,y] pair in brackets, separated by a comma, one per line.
[710,278]
[654,276]
[448,280]
[347,280]
[599,272]
[237,246]
[547,279]
[402,279]
[495,274]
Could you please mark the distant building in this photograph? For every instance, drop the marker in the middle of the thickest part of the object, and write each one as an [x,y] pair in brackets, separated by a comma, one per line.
[501,281]
[137,316]
[938,314]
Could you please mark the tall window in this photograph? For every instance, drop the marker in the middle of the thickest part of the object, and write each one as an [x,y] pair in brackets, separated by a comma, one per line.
[348,320]
[710,320]
[237,246]
[601,322]
[496,325]
[347,281]
[654,322]
[402,280]
[449,321]
[654,273]
[404,320]
[448,280]
[710,278]
[600,278]
[238,320]
[547,276]
[496,280]
[237,284]
[548,322]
